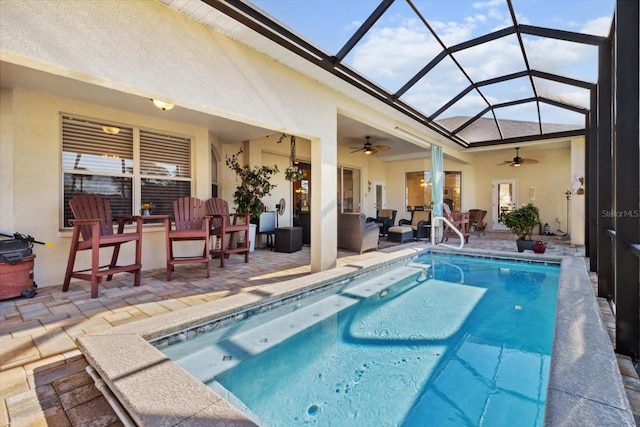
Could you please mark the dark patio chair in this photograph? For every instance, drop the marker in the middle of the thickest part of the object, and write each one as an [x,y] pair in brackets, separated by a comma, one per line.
[93,221]
[420,223]
[386,218]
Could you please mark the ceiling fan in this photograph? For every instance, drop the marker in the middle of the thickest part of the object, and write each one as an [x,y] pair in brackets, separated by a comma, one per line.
[518,161]
[369,148]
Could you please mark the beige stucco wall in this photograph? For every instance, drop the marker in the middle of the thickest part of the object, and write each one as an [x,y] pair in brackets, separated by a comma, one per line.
[543,183]
[35,196]
[396,191]
[577,204]
[6,167]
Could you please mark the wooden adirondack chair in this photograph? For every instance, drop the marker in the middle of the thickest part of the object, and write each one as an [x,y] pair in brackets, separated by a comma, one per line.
[93,221]
[190,224]
[476,220]
[222,224]
[460,220]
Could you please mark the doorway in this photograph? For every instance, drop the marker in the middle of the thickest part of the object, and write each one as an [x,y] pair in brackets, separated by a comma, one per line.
[301,197]
[380,200]
[504,200]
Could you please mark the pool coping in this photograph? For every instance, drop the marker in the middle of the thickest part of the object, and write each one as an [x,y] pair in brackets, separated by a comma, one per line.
[585,387]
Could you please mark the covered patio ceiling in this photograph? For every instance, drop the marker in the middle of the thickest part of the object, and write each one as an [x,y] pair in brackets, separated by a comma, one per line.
[350,132]
[475,72]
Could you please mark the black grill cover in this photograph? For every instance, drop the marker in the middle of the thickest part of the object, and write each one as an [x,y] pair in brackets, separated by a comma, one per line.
[14,251]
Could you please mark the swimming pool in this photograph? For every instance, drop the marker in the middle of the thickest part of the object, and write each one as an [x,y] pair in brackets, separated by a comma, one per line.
[443,340]
[584,388]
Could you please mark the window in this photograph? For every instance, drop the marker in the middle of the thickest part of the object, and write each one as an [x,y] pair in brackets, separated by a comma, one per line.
[126,165]
[214,173]
[348,190]
[418,189]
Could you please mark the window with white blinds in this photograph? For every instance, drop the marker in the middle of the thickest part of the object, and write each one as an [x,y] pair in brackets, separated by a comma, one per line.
[165,168]
[100,158]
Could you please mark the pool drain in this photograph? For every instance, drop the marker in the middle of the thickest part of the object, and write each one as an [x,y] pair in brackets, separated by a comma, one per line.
[312,411]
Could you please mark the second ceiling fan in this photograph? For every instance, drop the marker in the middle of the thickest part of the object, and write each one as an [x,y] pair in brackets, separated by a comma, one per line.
[369,148]
[518,161]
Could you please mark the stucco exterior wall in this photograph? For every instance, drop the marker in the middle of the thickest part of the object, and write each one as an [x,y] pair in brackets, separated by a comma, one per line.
[577,206]
[35,159]
[542,183]
[396,192]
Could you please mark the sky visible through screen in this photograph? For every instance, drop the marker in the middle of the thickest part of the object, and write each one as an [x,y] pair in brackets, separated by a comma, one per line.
[399,45]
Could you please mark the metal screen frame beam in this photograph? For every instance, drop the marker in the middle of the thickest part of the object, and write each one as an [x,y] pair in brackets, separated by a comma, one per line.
[604,175]
[627,176]
[254,19]
[591,193]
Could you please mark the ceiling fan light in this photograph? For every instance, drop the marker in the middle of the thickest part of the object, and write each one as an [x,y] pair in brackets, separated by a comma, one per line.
[368,151]
[517,165]
[164,106]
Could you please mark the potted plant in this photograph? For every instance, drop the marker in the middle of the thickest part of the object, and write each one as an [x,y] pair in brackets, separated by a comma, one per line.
[147,208]
[293,173]
[521,222]
[254,185]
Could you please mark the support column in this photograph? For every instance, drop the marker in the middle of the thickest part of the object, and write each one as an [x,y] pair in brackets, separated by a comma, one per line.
[324,208]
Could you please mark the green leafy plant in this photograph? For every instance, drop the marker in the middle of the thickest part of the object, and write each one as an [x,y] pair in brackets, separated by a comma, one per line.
[522,220]
[293,173]
[254,185]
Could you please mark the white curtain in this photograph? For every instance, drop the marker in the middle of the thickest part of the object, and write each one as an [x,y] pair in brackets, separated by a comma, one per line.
[437,179]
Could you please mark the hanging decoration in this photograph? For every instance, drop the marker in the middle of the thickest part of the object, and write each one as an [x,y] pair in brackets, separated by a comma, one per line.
[293,173]
[294,160]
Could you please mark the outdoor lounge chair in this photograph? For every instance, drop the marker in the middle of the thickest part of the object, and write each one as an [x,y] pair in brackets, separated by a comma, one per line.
[386,218]
[420,224]
[93,221]
[355,234]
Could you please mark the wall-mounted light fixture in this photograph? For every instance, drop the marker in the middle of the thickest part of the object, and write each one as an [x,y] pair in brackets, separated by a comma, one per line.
[111,130]
[578,183]
[164,106]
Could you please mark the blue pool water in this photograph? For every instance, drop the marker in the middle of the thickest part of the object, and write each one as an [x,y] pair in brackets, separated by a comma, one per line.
[443,341]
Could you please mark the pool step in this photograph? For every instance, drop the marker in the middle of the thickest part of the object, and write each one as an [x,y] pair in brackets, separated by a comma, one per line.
[223,355]
[226,354]
[377,284]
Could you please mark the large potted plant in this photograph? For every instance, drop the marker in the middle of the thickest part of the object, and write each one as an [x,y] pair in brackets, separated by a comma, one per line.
[521,222]
[254,185]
